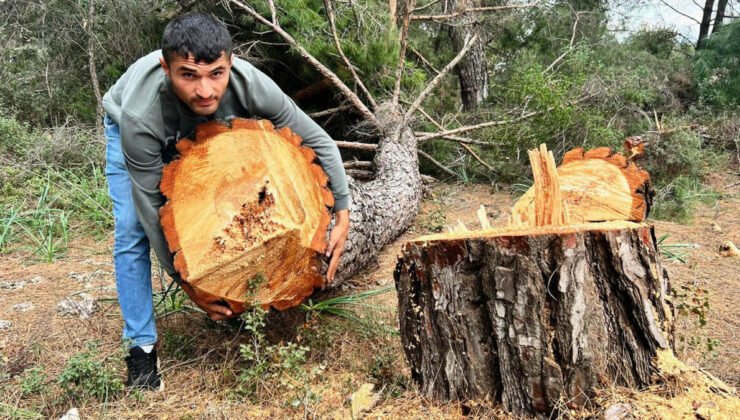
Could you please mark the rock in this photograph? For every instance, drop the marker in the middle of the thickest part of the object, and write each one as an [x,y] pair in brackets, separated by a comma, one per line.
[80,277]
[23,307]
[12,285]
[72,414]
[716,228]
[621,411]
[83,305]
[37,279]
[728,249]
[5,325]
[363,400]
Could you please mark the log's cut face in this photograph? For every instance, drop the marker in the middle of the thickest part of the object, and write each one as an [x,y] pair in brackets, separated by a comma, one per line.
[595,185]
[247,213]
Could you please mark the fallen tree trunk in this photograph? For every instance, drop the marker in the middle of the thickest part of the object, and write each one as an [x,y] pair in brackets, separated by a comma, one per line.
[536,314]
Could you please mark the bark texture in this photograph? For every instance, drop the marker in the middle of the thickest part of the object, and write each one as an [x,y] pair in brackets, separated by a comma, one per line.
[531,318]
[383,208]
[706,21]
[472,70]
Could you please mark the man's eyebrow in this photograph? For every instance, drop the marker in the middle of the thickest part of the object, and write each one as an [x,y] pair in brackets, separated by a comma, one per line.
[186,68]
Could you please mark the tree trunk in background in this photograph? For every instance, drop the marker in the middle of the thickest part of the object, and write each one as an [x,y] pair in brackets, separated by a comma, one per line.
[472,70]
[719,17]
[706,19]
[533,318]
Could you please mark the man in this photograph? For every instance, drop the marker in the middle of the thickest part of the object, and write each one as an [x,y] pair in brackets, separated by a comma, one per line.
[160,99]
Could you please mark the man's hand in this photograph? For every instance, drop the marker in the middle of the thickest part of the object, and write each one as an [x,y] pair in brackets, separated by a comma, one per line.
[214,310]
[336,242]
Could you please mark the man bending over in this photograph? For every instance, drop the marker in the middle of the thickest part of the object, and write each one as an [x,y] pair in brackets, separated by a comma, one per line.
[160,99]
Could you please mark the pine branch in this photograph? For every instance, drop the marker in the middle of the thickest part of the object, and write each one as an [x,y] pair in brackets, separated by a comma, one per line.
[347,63]
[351,96]
[473,10]
[409,7]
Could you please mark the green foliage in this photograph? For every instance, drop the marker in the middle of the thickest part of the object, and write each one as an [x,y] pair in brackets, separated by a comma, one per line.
[678,198]
[692,305]
[659,42]
[33,381]
[265,366]
[717,67]
[178,345]
[673,252]
[17,413]
[86,376]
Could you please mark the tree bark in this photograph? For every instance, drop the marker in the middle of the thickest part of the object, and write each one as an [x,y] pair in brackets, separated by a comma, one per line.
[472,70]
[383,208]
[720,15]
[533,317]
[706,19]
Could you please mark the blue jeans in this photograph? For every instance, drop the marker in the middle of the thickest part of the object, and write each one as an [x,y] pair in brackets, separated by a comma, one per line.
[131,247]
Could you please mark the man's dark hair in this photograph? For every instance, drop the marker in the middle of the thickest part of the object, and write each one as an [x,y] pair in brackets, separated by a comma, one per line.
[198,34]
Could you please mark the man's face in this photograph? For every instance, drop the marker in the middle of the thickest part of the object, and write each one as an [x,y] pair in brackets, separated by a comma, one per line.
[199,85]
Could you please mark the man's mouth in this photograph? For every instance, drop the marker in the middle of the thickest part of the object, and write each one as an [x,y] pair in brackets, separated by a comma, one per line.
[204,103]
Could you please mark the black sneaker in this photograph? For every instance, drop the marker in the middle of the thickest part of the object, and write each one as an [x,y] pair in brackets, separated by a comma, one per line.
[142,370]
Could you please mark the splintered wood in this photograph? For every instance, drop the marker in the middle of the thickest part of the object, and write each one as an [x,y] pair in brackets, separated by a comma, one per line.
[246,214]
[548,204]
[589,186]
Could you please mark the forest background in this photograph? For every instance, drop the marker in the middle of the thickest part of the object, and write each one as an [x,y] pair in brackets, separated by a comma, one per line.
[560,72]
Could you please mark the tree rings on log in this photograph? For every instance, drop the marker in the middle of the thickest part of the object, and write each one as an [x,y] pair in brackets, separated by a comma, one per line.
[534,316]
[247,213]
[597,185]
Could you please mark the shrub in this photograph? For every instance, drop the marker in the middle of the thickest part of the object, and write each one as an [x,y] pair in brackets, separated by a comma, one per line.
[86,376]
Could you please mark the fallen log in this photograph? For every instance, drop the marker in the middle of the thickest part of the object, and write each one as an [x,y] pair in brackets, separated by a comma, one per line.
[247,212]
[546,310]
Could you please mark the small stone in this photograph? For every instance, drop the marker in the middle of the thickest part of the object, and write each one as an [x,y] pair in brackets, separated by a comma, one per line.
[621,411]
[83,305]
[37,279]
[72,414]
[716,228]
[5,325]
[12,285]
[23,307]
[363,400]
[728,249]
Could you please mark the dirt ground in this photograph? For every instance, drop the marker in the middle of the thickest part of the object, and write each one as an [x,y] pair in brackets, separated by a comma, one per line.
[198,385]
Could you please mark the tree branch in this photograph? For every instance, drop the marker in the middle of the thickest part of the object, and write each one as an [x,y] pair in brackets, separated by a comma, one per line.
[679,12]
[351,96]
[409,6]
[494,123]
[438,78]
[91,61]
[358,164]
[437,164]
[570,47]
[330,111]
[330,13]
[423,60]
[472,10]
[355,145]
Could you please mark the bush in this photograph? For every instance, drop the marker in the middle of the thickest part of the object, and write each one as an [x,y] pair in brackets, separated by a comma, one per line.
[717,67]
[86,376]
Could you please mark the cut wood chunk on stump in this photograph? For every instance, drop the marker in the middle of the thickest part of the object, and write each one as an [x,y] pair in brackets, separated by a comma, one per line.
[551,307]
[594,186]
[247,214]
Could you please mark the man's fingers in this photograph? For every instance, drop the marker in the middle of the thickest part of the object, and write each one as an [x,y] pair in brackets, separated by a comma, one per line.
[332,244]
[333,264]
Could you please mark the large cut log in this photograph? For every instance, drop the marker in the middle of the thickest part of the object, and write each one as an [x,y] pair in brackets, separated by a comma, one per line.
[247,213]
[538,313]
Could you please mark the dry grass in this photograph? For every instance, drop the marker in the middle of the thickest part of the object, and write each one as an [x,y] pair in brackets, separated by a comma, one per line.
[199,384]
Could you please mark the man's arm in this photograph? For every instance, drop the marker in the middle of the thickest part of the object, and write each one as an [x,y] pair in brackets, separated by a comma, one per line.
[143,153]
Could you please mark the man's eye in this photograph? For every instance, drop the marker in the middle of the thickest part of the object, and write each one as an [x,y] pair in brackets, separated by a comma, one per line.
[217,74]
[188,75]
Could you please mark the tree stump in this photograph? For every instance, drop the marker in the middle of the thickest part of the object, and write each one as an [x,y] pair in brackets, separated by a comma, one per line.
[538,314]
[247,213]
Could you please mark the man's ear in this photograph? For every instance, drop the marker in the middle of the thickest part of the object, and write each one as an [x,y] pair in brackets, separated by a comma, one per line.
[165,69]
[231,60]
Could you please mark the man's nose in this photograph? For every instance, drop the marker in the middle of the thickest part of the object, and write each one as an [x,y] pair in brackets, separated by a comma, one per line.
[203,89]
